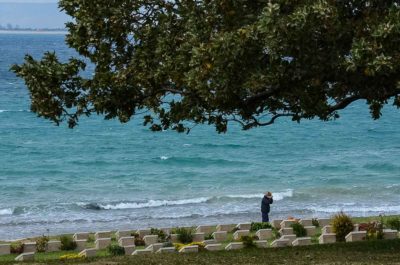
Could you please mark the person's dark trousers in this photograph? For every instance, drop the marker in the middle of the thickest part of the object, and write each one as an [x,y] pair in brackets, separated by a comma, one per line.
[265,217]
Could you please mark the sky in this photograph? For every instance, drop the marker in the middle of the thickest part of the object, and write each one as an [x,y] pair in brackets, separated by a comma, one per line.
[32,13]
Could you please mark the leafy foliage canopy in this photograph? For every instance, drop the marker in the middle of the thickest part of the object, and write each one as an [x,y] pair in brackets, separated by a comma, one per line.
[216,62]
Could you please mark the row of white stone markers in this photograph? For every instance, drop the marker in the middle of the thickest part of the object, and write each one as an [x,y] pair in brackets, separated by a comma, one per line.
[219,233]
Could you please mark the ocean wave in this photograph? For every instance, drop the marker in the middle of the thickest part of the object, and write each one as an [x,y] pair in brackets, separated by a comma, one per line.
[151,204]
[381,166]
[199,161]
[7,211]
[278,196]
[21,110]
[160,203]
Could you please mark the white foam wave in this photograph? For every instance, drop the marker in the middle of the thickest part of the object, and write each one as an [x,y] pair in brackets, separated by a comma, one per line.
[159,203]
[7,211]
[278,196]
[164,157]
[6,110]
[151,204]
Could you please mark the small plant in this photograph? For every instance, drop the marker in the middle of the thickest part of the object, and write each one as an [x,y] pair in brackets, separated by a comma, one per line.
[160,233]
[257,226]
[315,222]
[393,223]
[208,237]
[16,248]
[235,229]
[139,242]
[41,243]
[199,244]
[67,243]
[116,250]
[379,233]
[90,239]
[70,257]
[248,241]
[275,233]
[185,236]
[299,230]
[374,230]
[341,226]
[179,246]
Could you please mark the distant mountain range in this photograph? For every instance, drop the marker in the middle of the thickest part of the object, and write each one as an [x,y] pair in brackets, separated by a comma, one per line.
[31,16]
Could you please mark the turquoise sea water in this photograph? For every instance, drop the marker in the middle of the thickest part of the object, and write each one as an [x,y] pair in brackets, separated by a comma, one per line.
[104,175]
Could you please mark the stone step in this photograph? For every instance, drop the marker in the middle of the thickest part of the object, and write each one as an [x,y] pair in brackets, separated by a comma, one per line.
[214,247]
[238,234]
[53,246]
[81,236]
[234,246]
[142,252]
[356,236]
[189,249]
[102,234]
[327,238]
[280,243]
[207,229]
[264,234]
[88,253]
[129,250]
[226,228]
[220,236]
[5,249]
[166,250]
[27,256]
[302,241]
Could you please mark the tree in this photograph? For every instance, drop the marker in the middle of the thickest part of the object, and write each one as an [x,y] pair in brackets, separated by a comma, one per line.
[216,62]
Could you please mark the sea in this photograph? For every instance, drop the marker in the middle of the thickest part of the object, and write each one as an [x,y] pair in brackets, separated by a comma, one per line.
[104,175]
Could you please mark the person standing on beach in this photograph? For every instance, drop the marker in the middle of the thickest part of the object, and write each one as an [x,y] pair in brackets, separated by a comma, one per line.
[265,206]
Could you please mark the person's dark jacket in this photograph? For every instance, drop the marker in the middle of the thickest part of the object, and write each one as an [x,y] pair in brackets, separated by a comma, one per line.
[265,204]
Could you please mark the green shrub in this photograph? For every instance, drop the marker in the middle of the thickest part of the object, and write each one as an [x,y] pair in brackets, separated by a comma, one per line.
[91,239]
[248,241]
[374,229]
[160,233]
[16,247]
[380,227]
[67,243]
[393,223]
[134,234]
[116,250]
[41,243]
[299,230]
[185,236]
[341,226]
[139,242]
[257,226]
[315,222]
[235,229]
[275,233]
[208,237]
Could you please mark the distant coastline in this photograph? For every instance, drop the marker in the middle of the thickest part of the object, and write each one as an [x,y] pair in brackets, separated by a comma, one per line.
[37,31]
